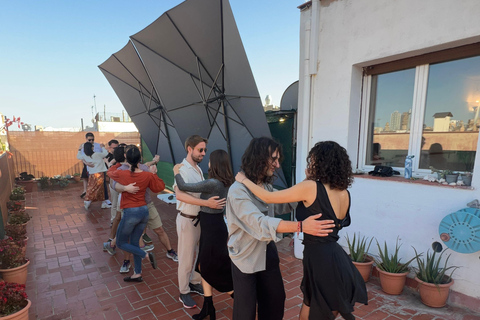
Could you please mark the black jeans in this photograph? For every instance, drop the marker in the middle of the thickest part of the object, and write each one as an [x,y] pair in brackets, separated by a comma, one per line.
[264,287]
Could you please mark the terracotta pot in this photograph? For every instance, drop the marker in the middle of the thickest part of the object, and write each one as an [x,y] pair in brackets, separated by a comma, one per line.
[19,315]
[365,268]
[76,178]
[17,275]
[434,295]
[26,184]
[392,283]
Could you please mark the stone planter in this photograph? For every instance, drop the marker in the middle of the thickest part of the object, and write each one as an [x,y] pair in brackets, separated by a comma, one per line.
[467,180]
[451,178]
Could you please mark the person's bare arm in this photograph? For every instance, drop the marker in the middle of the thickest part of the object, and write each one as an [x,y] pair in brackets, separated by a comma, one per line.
[154,161]
[131,188]
[303,191]
[213,202]
[319,228]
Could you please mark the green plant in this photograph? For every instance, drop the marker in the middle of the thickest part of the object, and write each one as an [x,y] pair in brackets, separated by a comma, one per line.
[12,298]
[44,182]
[76,174]
[19,218]
[391,263]
[18,190]
[358,249]
[63,182]
[15,205]
[445,172]
[11,255]
[16,231]
[18,193]
[429,269]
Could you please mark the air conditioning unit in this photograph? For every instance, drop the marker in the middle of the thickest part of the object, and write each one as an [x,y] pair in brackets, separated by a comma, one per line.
[115,119]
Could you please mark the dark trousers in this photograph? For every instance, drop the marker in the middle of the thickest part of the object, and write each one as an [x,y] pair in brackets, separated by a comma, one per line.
[264,287]
[105,185]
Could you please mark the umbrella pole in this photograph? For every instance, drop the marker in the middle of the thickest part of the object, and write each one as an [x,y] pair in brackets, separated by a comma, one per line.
[168,136]
[227,132]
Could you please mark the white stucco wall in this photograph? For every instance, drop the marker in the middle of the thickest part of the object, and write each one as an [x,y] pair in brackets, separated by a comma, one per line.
[337,39]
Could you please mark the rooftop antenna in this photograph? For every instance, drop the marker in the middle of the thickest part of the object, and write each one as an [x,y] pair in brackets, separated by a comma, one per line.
[95,103]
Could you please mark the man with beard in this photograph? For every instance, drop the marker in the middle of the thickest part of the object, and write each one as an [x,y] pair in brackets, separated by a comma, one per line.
[253,231]
[188,229]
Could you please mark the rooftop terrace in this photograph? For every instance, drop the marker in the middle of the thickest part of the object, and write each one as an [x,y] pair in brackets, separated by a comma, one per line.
[70,277]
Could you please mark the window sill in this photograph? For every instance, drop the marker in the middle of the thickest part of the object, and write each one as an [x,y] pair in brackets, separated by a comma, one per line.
[416,181]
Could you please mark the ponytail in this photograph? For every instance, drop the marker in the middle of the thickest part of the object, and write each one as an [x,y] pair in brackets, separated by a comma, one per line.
[133,157]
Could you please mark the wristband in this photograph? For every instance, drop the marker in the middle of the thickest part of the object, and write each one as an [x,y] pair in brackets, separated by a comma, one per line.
[299,227]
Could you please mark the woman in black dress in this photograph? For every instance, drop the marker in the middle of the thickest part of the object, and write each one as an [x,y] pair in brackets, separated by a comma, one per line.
[213,262]
[331,283]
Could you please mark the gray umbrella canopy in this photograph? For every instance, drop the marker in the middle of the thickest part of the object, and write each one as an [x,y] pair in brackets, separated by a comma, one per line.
[127,75]
[196,74]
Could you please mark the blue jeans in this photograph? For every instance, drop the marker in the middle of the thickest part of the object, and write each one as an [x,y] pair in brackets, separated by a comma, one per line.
[131,228]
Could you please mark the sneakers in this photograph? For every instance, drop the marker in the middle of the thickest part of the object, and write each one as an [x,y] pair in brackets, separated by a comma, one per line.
[87,204]
[107,247]
[146,238]
[106,205]
[108,202]
[187,301]
[196,288]
[147,247]
[171,254]
[125,268]
[151,257]
[83,195]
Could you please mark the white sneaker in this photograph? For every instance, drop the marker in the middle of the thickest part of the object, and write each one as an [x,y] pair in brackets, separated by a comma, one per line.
[106,205]
[108,202]
[87,204]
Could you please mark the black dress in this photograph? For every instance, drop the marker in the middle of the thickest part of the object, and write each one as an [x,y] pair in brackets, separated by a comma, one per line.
[213,261]
[330,282]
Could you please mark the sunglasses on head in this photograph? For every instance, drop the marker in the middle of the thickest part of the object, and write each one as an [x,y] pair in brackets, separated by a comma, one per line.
[202,149]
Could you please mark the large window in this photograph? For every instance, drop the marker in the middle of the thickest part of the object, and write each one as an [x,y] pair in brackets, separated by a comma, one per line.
[430,111]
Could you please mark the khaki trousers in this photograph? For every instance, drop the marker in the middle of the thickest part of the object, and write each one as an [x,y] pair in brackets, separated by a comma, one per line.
[188,238]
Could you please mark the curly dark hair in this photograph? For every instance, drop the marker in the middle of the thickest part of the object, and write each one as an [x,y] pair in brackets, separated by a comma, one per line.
[87,149]
[220,168]
[328,162]
[119,154]
[257,156]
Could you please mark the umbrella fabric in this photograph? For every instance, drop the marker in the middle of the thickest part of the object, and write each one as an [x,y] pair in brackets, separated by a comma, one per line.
[195,62]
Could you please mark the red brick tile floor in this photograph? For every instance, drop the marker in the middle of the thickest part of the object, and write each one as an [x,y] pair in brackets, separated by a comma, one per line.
[70,277]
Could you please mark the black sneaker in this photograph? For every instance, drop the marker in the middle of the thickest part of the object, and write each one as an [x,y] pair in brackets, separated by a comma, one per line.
[196,288]
[83,195]
[146,238]
[187,301]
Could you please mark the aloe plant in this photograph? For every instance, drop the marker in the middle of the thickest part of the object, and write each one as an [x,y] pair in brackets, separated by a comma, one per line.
[391,263]
[429,269]
[358,249]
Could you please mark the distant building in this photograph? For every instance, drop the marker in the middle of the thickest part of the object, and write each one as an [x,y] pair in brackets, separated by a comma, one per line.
[441,121]
[405,120]
[268,106]
[395,121]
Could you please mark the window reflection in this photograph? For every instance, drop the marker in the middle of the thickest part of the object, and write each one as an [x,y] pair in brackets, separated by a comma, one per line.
[451,121]
[390,118]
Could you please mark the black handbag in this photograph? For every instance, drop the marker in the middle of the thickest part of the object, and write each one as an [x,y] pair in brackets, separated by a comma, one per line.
[383,171]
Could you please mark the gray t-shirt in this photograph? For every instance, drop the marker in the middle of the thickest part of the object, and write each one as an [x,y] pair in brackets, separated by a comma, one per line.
[208,188]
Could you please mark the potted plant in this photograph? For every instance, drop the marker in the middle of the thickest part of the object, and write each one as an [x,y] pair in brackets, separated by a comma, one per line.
[63,182]
[77,176]
[450,177]
[44,182]
[392,272]
[433,282]
[14,303]
[20,217]
[18,193]
[13,266]
[18,233]
[15,205]
[359,255]
[467,178]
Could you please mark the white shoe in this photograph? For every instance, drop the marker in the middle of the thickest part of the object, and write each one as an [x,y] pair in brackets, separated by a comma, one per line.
[87,204]
[106,205]
[108,202]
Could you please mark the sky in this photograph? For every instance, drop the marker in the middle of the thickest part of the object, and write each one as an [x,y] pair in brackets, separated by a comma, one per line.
[50,52]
